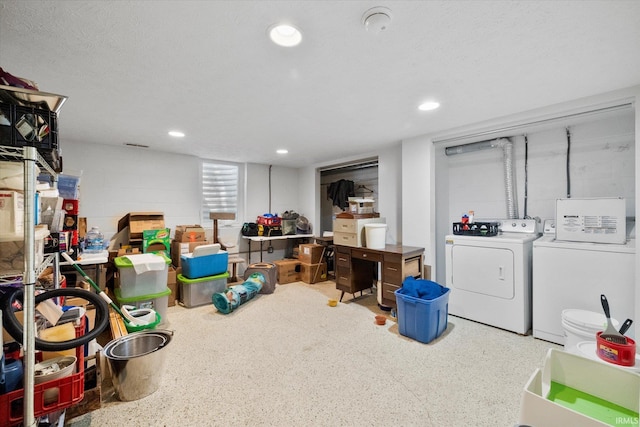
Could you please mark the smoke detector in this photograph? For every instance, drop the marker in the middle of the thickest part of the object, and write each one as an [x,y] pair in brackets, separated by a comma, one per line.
[376,19]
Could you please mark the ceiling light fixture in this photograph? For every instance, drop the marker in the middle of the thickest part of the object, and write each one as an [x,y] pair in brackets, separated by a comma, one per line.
[285,35]
[176,133]
[376,19]
[282,151]
[429,106]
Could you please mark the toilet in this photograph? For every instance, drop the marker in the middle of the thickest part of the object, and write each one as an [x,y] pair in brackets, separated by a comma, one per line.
[582,325]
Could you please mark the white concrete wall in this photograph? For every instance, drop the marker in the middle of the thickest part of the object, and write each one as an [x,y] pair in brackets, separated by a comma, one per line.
[118,180]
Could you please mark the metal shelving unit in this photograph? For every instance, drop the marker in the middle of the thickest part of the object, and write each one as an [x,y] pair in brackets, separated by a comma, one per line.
[30,157]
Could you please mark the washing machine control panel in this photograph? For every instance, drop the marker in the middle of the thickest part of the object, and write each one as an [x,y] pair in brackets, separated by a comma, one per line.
[549,226]
[519,225]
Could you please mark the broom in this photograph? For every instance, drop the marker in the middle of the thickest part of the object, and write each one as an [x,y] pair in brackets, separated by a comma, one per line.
[126,316]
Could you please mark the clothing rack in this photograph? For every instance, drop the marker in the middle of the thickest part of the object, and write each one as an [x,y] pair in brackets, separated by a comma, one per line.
[364,189]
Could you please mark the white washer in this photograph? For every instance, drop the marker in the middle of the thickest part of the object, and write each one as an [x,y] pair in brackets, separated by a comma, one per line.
[490,277]
[574,275]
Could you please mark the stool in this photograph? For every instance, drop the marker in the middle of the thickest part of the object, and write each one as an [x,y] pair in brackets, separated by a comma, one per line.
[233,262]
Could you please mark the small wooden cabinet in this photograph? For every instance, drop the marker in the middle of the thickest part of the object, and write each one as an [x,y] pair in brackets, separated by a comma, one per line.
[356,269]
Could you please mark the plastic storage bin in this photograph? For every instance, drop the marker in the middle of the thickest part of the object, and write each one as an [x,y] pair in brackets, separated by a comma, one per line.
[158,301]
[421,319]
[150,282]
[204,266]
[195,292]
[12,251]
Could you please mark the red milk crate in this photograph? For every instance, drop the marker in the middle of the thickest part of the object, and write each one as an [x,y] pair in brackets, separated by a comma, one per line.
[70,391]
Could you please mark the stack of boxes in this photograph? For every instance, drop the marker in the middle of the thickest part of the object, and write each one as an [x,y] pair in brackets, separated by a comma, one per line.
[185,240]
[313,269]
[204,273]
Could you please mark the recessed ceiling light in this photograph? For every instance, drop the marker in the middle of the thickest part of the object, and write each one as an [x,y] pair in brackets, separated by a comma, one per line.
[285,35]
[282,151]
[176,133]
[428,106]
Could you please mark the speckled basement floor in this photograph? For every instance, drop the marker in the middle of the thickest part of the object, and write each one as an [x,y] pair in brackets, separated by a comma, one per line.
[288,359]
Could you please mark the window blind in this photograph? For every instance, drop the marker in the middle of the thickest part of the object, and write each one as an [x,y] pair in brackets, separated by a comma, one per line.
[220,182]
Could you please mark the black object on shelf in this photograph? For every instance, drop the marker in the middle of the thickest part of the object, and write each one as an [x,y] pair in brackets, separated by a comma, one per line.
[476,228]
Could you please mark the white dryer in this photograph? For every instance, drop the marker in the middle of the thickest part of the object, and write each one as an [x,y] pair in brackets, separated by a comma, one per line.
[490,277]
[574,275]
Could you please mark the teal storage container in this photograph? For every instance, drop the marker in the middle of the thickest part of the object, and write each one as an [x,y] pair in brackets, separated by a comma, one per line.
[204,266]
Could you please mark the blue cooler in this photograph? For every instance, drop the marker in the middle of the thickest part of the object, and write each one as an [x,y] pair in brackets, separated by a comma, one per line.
[195,267]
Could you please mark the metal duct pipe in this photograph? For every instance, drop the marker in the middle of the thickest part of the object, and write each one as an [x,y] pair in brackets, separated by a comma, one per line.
[469,148]
[509,177]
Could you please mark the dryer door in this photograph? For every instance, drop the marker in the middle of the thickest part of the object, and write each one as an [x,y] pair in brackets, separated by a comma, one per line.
[486,271]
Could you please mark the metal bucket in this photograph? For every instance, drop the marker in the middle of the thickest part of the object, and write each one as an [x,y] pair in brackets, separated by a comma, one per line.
[137,363]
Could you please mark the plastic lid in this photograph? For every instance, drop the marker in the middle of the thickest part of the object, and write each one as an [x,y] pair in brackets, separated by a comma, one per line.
[164,293]
[375,225]
[188,281]
[584,319]
[124,262]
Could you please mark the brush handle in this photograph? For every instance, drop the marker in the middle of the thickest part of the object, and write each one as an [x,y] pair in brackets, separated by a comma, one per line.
[625,326]
[605,306]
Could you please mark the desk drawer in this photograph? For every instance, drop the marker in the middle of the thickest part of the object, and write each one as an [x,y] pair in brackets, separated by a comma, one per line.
[346,239]
[344,226]
[364,254]
[412,267]
[343,260]
[392,272]
[343,276]
[388,293]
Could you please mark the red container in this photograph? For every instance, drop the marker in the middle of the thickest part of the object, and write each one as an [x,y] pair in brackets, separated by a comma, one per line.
[70,392]
[70,206]
[269,220]
[619,354]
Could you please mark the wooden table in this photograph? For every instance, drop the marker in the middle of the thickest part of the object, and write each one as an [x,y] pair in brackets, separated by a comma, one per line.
[263,239]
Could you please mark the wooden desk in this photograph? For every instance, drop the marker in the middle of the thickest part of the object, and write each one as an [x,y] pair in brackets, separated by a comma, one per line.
[356,268]
[263,239]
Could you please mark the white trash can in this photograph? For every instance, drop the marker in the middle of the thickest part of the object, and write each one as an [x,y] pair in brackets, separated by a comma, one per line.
[375,235]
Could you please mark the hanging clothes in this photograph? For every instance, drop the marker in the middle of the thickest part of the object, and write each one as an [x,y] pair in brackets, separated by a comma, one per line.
[340,191]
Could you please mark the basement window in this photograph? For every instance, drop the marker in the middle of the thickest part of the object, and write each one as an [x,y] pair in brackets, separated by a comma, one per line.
[221,190]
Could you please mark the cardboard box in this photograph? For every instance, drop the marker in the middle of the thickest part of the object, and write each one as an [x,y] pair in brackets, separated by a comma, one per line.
[310,253]
[189,233]
[11,212]
[313,273]
[172,283]
[140,221]
[600,379]
[156,240]
[181,248]
[288,271]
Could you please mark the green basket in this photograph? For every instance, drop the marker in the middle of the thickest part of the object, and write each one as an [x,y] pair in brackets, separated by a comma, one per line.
[137,328]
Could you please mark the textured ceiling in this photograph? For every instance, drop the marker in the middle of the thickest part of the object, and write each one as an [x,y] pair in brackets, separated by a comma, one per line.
[135,69]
